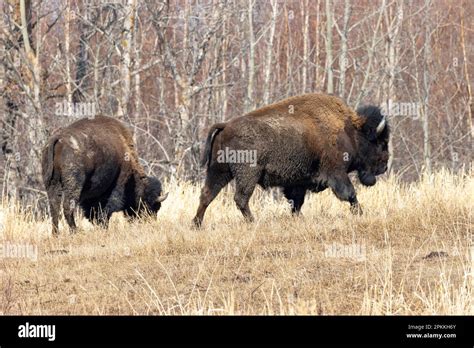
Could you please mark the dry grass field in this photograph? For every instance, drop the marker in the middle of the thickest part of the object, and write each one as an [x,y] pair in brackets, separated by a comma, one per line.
[410,253]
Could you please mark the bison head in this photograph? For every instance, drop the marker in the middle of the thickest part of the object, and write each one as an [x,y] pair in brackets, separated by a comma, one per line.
[152,195]
[373,151]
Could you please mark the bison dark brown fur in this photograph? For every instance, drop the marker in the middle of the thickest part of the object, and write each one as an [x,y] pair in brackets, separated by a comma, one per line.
[93,164]
[307,142]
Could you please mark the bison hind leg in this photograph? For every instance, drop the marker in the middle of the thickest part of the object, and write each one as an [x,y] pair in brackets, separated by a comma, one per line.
[54,198]
[215,181]
[73,182]
[69,205]
[245,182]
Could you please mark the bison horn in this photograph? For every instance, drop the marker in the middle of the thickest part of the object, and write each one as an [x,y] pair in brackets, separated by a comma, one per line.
[381,126]
[162,198]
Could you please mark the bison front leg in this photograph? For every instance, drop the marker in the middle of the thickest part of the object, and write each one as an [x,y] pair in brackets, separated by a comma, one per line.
[96,215]
[115,202]
[344,190]
[295,195]
[103,219]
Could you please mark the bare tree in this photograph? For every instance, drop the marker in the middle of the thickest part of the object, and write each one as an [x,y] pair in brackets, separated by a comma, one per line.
[250,102]
[304,68]
[129,14]
[329,47]
[269,58]
[393,23]
[343,58]
[170,69]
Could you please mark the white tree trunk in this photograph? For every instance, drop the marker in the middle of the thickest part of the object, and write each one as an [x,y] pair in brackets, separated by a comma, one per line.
[304,69]
[268,65]
[67,51]
[343,58]
[329,52]
[317,47]
[393,28]
[250,102]
[126,66]
[468,81]
[425,119]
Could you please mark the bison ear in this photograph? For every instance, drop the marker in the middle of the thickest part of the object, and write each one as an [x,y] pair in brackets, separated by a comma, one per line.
[162,198]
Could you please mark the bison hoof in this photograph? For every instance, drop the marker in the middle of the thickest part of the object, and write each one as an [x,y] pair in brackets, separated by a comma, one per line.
[249,218]
[197,222]
[356,209]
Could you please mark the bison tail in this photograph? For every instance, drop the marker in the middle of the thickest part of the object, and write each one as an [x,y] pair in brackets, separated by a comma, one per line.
[48,161]
[213,131]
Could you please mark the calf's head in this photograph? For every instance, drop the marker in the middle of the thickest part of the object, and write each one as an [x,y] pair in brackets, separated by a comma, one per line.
[373,145]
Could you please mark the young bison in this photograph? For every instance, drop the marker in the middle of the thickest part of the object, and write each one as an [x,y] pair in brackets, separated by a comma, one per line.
[93,164]
[309,142]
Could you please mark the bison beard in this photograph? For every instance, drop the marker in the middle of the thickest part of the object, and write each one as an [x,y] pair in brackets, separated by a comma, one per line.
[367,179]
[309,142]
[93,164]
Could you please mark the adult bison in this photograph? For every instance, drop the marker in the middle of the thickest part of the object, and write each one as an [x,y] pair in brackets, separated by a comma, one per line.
[93,164]
[307,142]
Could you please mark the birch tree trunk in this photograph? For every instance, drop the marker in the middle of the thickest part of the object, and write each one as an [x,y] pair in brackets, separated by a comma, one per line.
[33,70]
[32,82]
[304,68]
[371,54]
[249,101]
[317,48]
[67,51]
[329,52]
[268,65]
[289,63]
[11,175]
[82,62]
[393,28]
[343,58]
[468,82]
[425,118]
[225,44]
[127,49]
[136,66]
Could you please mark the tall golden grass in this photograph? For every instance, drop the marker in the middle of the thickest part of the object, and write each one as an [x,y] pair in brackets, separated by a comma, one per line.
[410,253]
